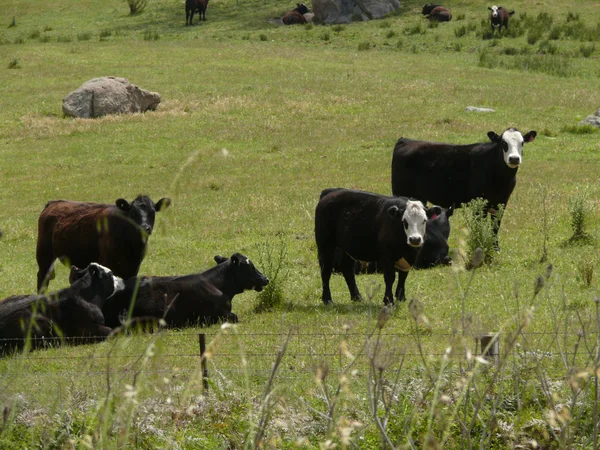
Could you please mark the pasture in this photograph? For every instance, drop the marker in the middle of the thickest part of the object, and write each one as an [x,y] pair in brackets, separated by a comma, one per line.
[256,120]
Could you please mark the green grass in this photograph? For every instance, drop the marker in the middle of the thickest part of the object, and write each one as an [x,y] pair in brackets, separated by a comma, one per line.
[296,113]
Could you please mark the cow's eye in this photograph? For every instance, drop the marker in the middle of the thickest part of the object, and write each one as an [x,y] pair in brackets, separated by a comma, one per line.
[505,146]
[405,223]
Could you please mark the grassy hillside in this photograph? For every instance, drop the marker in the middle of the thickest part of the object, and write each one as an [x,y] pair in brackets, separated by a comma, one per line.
[256,120]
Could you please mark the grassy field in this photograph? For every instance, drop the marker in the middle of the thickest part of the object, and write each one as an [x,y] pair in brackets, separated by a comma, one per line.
[256,120]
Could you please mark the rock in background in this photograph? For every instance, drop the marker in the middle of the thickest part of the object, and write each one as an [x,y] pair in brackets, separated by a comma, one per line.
[109,95]
[344,11]
[592,119]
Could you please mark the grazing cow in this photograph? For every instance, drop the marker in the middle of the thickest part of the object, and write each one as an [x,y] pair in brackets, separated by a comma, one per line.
[437,13]
[296,15]
[189,299]
[112,235]
[70,312]
[499,17]
[368,227]
[193,6]
[448,174]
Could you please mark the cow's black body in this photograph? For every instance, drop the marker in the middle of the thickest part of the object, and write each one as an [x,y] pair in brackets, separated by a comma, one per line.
[193,6]
[188,299]
[70,312]
[364,226]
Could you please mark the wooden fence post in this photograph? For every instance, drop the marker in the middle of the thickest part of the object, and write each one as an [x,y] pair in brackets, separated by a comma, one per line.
[202,340]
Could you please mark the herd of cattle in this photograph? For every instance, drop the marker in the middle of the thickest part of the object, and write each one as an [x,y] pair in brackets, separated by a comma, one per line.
[301,14]
[355,231]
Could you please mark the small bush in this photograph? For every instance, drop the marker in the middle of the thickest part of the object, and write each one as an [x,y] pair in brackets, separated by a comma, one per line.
[325,36]
[587,50]
[585,267]
[415,29]
[555,33]
[572,17]
[136,6]
[151,35]
[548,132]
[308,26]
[85,36]
[262,37]
[580,129]
[510,51]
[362,46]
[547,48]
[390,34]
[35,34]
[480,226]
[579,210]
[338,28]
[460,31]
[14,64]
[271,264]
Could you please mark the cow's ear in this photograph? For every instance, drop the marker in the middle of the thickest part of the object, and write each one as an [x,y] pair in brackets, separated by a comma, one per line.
[220,259]
[163,203]
[529,137]
[235,260]
[123,204]
[433,212]
[511,12]
[494,137]
[396,212]
[450,211]
[490,8]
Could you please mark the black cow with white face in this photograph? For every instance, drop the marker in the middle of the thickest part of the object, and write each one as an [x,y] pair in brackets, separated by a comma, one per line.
[186,300]
[499,17]
[70,312]
[368,227]
[449,174]
[115,236]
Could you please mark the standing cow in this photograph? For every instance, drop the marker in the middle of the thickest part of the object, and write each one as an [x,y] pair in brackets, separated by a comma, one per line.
[437,13]
[368,227]
[204,297]
[193,6]
[296,15]
[499,17]
[448,174]
[70,312]
[115,236]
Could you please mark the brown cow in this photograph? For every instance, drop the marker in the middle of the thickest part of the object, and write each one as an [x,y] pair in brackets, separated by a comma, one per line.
[296,15]
[499,17]
[112,235]
[437,13]
[193,6]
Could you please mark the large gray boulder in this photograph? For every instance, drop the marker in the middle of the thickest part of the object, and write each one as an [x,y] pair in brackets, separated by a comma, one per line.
[592,119]
[344,11]
[108,95]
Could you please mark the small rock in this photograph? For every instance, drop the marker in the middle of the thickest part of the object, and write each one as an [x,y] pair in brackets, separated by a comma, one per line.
[477,109]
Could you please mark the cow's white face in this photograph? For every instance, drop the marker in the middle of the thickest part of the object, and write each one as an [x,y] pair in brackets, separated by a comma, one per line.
[414,220]
[494,10]
[513,147]
[118,282]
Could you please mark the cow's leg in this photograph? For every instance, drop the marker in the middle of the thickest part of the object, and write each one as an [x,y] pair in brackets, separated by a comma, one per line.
[389,276]
[347,267]
[326,264]
[45,259]
[400,293]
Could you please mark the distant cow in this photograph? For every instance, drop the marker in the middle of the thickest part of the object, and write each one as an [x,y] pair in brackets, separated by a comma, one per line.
[448,174]
[499,17]
[296,15]
[193,6]
[188,299]
[112,235]
[368,227]
[70,312]
[437,13]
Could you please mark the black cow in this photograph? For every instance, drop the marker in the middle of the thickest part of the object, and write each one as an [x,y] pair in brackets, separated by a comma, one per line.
[448,174]
[70,312]
[368,227]
[189,299]
[193,6]
[115,236]
[437,13]
[499,17]
[296,15]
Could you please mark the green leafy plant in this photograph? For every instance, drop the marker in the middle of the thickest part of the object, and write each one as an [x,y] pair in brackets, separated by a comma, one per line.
[480,227]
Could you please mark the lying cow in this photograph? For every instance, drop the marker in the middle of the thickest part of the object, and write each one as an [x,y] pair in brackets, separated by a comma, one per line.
[188,299]
[368,227]
[296,15]
[70,312]
[449,174]
[115,236]
[499,17]
[193,6]
[436,13]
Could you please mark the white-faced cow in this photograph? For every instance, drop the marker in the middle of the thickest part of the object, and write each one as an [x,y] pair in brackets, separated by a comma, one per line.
[448,174]
[436,13]
[70,312]
[193,6]
[115,236]
[203,298]
[499,17]
[368,227]
[296,15]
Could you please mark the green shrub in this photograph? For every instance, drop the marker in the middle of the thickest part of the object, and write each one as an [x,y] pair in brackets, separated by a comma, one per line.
[572,17]
[262,37]
[480,226]
[308,26]
[547,48]
[415,29]
[579,129]
[271,260]
[555,33]
[137,6]
[587,50]
[14,64]
[461,16]
[390,34]
[325,36]
[579,210]
[460,31]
